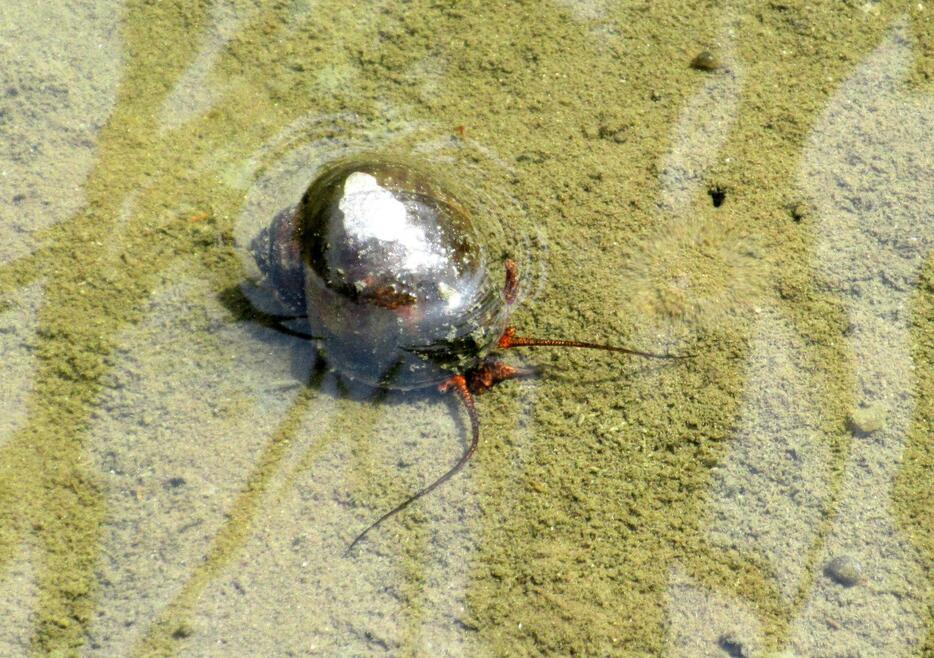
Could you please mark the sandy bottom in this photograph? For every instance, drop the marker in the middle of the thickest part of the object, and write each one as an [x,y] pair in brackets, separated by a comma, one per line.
[751,186]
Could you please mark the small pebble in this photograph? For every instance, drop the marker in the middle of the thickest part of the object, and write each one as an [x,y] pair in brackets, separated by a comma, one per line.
[733,646]
[799,211]
[183,631]
[844,570]
[866,420]
[705,61]
[173,483]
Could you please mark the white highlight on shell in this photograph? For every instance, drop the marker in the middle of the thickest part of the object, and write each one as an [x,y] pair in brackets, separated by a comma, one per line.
[452,297]
[371,212]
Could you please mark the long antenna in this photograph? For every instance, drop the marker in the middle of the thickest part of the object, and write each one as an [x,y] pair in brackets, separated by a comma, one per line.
[459,384]
[509,339]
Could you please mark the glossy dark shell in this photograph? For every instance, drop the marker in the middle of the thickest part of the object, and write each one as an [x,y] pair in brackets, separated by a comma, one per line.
[395,282]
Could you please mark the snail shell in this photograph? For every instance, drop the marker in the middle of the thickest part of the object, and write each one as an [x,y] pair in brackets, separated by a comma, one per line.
[390,272]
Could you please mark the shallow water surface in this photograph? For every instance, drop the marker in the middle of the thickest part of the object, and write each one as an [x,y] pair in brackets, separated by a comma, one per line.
[178,478]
